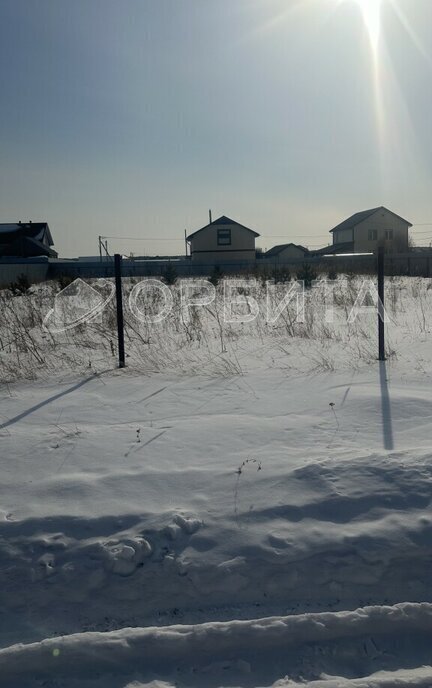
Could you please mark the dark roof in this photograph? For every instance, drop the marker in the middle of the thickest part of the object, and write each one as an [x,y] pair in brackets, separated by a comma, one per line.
[25,247]
[341,247]
[26,239]
[280,247]
[10,230]
[223,220]
[363,215]
[38,248]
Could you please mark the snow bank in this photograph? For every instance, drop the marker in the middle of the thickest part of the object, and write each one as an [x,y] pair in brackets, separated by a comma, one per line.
[202,645]
[421,678]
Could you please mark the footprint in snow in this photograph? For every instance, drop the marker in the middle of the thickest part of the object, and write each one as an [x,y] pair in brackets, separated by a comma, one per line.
[188,525]
[123,558]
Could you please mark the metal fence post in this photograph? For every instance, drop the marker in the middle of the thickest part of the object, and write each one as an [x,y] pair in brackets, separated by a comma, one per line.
[119,300]
[380,271]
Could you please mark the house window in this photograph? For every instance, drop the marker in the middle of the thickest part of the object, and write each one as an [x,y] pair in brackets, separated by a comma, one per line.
[372,235]
[389,234]
[224,237]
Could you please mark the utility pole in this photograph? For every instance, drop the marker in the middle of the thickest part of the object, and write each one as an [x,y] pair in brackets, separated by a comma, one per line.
[119,302]
[381,341]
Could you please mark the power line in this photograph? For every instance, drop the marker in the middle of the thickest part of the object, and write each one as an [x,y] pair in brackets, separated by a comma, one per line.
[141,238]
[264,236]
[284,236]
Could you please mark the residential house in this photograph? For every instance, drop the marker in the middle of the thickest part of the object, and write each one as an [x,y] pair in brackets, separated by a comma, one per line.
[222,241]
[26,239]
[284,252]
[363,232]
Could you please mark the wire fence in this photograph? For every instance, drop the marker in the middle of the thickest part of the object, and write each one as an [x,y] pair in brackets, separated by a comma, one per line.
[41,331]
[376,263]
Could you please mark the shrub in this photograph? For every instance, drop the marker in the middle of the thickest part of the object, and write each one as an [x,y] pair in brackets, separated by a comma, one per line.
[307,275]
[264,276]
[332,274]
[21,285]
[64,281]
[169,275]
[216,275]
[281,274]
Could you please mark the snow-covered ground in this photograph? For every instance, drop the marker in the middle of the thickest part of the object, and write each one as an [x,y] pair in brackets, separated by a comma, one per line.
[262,523]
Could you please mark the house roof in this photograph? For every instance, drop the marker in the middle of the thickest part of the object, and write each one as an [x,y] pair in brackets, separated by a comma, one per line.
[34,230]
[363,215]
[275,250]
[341,247]
[39,248]
[26,238]
[223,220]
[25,246]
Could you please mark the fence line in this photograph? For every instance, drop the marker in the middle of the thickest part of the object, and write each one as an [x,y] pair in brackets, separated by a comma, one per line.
[380,274]
[39,270]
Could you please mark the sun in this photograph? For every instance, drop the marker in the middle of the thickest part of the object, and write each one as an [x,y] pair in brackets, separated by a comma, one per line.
[371,11]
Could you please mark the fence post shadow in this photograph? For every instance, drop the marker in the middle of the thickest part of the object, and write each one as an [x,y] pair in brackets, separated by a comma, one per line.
[386,416]
[49,400]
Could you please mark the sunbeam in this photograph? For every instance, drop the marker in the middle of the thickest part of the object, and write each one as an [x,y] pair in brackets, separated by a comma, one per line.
[411,33]
[396,144]
[371,11]
[391,113]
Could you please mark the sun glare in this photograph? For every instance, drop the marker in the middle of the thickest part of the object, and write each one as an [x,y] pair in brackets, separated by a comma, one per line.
[375,20]
[371,11]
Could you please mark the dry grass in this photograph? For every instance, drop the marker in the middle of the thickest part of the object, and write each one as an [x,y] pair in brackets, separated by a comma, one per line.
[204,342]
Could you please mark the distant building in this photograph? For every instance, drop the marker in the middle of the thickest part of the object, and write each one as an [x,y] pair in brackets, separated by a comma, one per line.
[223,240]
[26,239]
[333,249]
[284,252]
[366,230]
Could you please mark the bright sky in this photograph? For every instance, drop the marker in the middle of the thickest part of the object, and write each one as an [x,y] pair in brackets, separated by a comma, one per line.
[133,117]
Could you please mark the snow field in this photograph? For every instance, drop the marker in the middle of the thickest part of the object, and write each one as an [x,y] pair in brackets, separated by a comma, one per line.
[264,521]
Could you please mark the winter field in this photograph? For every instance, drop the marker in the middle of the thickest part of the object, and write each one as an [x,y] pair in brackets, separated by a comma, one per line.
[245,505]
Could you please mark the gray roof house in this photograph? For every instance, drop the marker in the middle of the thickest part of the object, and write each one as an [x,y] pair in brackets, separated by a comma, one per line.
[284,252]
[26,239]
[363,232]
[221,241]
